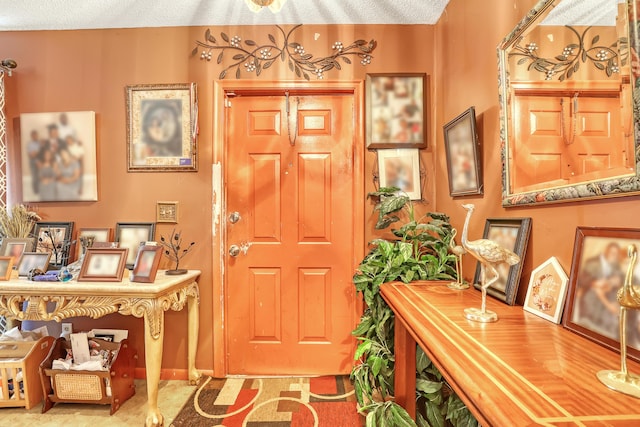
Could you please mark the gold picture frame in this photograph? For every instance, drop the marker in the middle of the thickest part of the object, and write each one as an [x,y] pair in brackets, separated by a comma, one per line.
[167,212]
[162,123]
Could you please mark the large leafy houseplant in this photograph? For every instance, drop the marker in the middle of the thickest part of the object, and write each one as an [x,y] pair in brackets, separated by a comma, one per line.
[418,250]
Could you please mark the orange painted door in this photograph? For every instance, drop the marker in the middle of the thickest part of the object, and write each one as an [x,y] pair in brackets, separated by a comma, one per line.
[289,298]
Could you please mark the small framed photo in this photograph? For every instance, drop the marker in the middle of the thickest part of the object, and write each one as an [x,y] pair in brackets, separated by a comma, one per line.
[31,260]
[146,265]
[162,123]
[98,235]
[59,156]
[395,110]
[464,165]
[103,265]
[130,235]
[598,268]
[6,267]
[167,212]
[401,168]
[512,234]
[547,291]
[15,247]
[55,238]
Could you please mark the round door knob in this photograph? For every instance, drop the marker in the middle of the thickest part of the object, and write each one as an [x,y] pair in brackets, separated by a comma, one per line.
[234,250]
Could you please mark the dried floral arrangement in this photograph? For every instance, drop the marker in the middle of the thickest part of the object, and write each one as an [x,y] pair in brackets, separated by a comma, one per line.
[175,250]
[18,222]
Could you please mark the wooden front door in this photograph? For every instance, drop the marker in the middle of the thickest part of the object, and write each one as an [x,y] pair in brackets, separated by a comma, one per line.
[290,303]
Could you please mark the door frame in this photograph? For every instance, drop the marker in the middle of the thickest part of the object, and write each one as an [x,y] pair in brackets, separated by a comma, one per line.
[354,88]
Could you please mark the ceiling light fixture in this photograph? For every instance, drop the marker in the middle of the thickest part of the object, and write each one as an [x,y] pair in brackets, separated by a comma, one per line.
[273,5]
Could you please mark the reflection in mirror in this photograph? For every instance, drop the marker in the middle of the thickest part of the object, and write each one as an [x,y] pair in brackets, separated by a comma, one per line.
[566,97]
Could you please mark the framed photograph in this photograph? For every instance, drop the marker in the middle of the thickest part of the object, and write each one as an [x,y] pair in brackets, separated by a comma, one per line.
[15,247]
[396,110]
[512,234]
[464,165]
[59,156]
[6,267]
[31,260]
[146,265]
[547,291]
[55,238]
[167,212]
[401,168]
[98,234]
[162,123]
[599,265]
[130,235]
[103,265]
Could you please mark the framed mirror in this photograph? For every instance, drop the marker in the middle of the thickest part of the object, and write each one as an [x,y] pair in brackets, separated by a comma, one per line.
[569,106]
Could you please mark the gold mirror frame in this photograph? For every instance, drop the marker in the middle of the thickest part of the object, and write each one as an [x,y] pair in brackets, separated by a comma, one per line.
[588,190]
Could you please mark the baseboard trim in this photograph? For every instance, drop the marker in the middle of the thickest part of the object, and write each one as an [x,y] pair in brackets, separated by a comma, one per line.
[170,374]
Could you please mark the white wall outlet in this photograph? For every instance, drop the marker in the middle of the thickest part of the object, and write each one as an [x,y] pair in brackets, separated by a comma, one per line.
[67,328]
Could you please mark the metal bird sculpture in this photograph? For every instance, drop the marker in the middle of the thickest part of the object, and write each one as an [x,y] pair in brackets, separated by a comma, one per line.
[629,298]
[457,251]
[490,254]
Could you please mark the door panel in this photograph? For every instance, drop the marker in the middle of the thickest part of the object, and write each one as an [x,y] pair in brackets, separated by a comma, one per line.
[290,303]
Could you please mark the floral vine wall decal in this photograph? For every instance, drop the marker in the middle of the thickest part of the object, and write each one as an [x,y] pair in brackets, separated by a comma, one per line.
[254,57]
[565,64]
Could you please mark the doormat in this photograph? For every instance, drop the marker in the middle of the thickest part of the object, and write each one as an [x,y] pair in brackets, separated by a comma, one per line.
[327,401]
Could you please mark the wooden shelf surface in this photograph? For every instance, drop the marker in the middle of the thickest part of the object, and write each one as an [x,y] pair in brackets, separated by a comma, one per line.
[521,370]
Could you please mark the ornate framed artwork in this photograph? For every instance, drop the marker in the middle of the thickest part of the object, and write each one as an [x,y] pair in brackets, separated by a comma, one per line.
[130,235]
[547,291]
[396,110]
[55,238]
[103,265]
[598,269]
[464,165]
[59,156]
[146,265]
[401,169]
[513,234]
[6,267]
[15,247]
[162,125]
[33,260]
[167,212]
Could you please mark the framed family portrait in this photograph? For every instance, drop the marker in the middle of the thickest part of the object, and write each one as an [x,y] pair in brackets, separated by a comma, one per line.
[15,247]
[162,124]
[598,268]
[6,267]
[146,265]
[401,168]
[464,166]
[103,265]
[512,234]
[130,235]
[55,238]
[58,155]
[547,291]
[396,110]
[167,212]
[33,260]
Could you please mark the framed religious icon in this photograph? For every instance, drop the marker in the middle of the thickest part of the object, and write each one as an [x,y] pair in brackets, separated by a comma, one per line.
[396,110]
[598,268]
[464,166]
[146,265]
[55,238]
[401,169]
[131,234]
[162,124]
[512,234]
[547,291]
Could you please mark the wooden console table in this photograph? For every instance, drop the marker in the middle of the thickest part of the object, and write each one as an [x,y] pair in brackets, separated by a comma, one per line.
[97,299]
[522,370]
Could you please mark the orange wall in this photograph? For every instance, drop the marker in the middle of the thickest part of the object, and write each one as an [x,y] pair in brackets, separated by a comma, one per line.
[466,74]
[88,70]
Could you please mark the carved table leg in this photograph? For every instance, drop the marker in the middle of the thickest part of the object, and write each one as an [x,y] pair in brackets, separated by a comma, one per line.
[193,327]
[153,363]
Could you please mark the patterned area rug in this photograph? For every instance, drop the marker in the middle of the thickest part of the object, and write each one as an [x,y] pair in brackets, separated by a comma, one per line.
[272,402]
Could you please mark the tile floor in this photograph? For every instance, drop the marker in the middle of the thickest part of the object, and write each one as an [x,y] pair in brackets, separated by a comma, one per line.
[172,395]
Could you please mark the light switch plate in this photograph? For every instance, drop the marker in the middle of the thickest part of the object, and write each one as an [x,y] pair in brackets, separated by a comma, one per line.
[67,328]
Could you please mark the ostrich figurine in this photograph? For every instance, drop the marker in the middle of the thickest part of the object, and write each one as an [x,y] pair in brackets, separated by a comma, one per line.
[458,251]
[629,298]
[490,254]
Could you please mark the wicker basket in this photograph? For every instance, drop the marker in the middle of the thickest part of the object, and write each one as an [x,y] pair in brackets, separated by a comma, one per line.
[112,387]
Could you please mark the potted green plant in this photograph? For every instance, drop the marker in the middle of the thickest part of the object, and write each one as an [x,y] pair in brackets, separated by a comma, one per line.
[418,250]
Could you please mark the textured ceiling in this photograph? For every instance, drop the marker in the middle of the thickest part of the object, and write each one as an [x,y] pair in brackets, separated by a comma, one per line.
[85,14]
[584,12]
